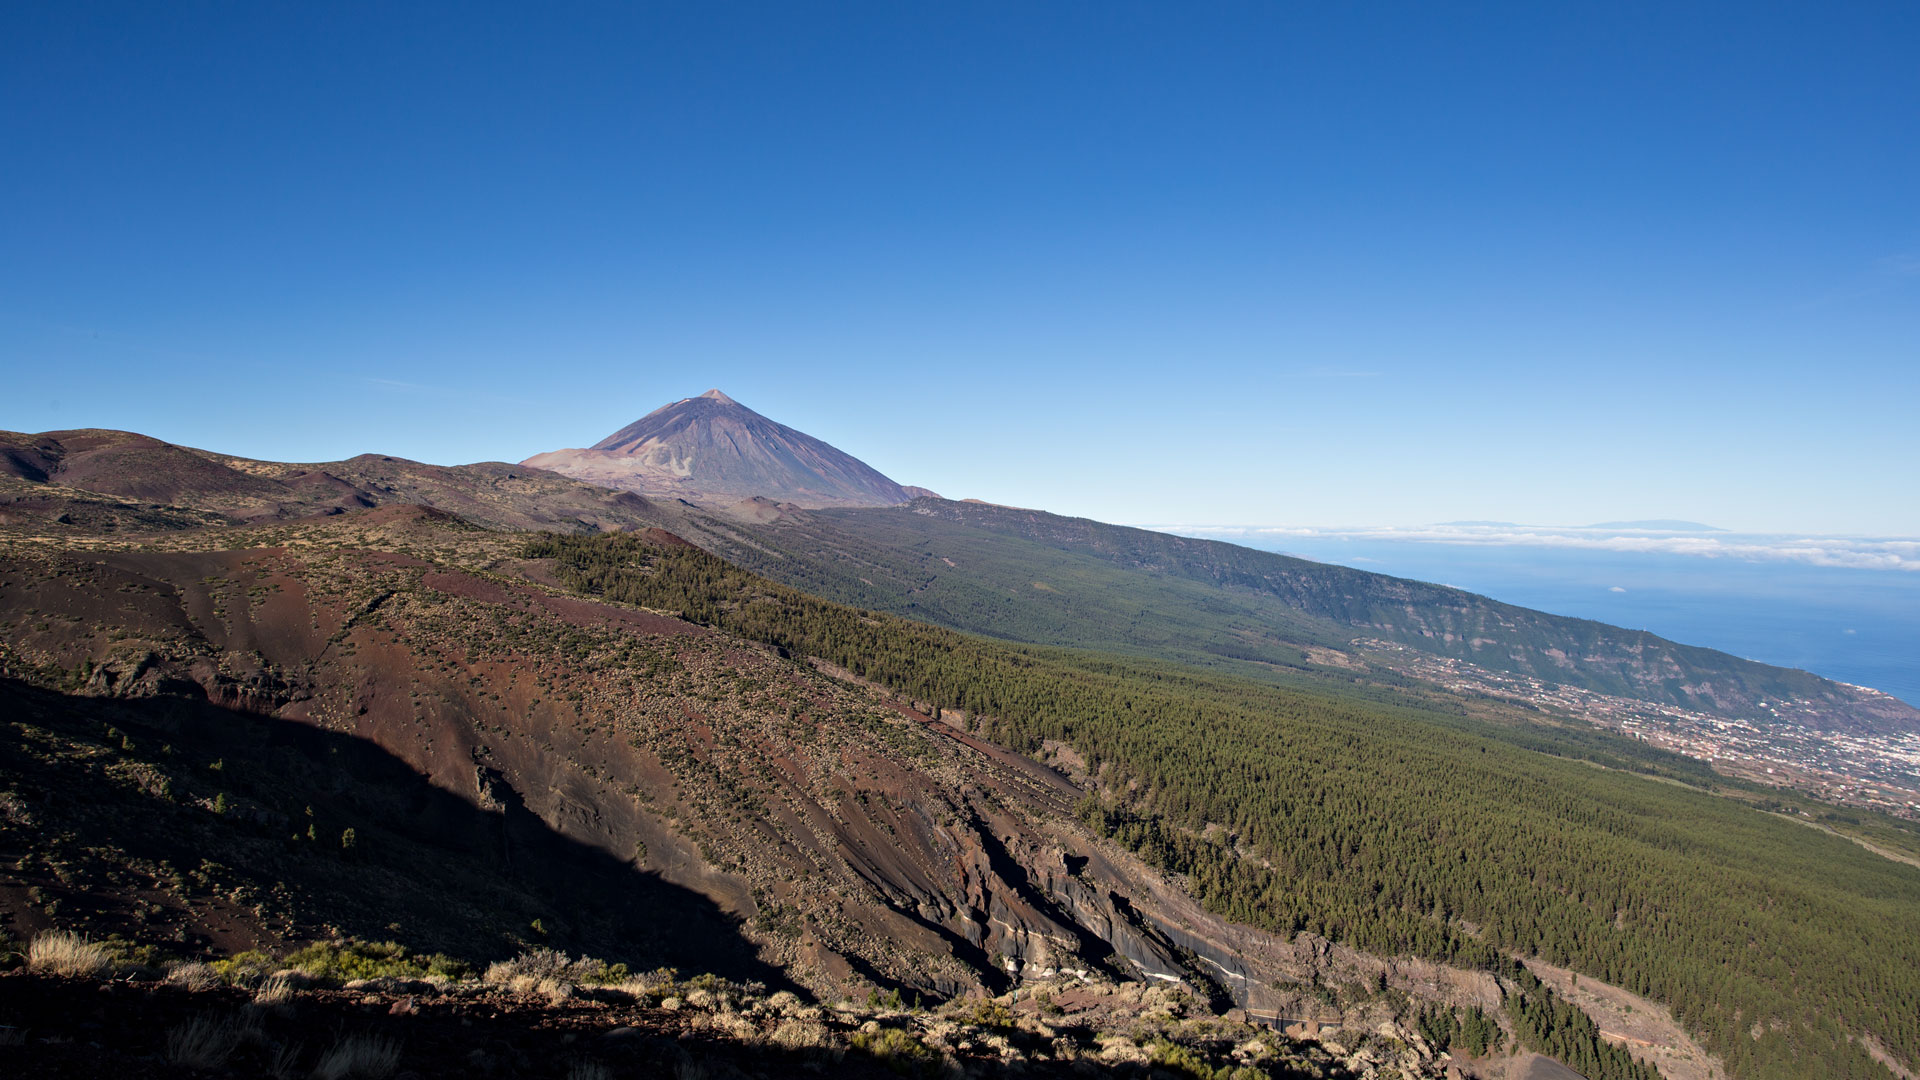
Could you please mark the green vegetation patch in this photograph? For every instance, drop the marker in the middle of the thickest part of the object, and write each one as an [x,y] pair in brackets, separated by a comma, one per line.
[347,960]
[898,1049]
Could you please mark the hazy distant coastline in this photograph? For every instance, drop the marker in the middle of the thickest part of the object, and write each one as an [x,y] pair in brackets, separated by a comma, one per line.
[1846,608]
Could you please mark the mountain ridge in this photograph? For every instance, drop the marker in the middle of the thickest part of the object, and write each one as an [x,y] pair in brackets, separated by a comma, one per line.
[881,557]
[972,566]
[51,473]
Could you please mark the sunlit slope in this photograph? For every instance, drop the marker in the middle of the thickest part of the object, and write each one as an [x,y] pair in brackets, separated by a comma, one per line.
[1008,586]
[1037,577]
[1401,830]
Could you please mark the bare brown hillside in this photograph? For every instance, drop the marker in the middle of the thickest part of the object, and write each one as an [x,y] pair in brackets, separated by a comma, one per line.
[842,835]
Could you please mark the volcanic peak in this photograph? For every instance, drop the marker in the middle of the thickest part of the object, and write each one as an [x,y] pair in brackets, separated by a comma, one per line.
[712,449]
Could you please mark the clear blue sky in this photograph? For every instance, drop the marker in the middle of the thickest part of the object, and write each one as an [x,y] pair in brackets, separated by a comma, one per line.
[1243,262]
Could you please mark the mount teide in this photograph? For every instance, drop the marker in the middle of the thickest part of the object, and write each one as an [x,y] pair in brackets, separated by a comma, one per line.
[712,449]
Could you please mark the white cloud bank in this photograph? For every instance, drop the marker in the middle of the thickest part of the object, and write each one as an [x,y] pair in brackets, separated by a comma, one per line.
[1858,553]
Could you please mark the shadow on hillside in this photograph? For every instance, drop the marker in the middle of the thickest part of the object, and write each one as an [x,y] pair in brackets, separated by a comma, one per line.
[425,866]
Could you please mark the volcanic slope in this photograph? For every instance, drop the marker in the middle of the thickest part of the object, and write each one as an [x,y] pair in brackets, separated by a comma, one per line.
[642,739]
[715,451]
[382,724]
[1393,829]
[849,794]
[869,842]
[1031,576]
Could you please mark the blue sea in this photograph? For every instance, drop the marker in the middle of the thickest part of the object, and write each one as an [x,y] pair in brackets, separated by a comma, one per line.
[1860,626]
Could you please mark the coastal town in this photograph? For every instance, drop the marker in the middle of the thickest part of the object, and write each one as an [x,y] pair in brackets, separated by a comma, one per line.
[1878,771]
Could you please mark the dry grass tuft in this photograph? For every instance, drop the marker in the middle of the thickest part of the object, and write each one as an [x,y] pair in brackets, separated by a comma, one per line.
[732,1026]
[554,990]
[635,987]
[276,992]
[61,952]
[203,1042]
[359,1055]
[285,1063]
[193,975]
[589,1070]
[801,1035]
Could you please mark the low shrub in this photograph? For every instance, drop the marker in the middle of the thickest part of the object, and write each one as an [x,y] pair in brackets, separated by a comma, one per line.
[551,965]
[801,1035]
[739,1029]
[897,1050]
[349,959]
[244,968]
[1183,1061]
[987,1013]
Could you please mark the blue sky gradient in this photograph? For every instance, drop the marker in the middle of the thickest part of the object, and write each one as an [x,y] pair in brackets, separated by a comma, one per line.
[1208,263]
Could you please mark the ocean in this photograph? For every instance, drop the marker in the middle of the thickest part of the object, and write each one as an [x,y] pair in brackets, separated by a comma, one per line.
[1856,625]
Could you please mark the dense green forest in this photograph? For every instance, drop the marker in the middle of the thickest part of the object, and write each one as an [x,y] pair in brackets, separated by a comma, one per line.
[1399,830]
[1558,1029]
